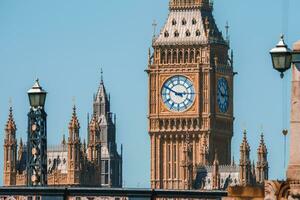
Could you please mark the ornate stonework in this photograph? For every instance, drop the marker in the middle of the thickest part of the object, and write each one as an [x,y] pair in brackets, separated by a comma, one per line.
[73,162]
[191,46]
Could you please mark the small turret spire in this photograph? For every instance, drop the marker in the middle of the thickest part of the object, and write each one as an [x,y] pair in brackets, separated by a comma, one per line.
[101,76]
[74,126]
[262,166]
[10,125]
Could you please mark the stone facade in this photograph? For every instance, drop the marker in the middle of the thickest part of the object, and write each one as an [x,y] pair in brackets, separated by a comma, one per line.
[73,162]
[191,46]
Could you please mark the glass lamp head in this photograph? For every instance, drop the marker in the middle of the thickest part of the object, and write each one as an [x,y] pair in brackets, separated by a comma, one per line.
[36,95]
[281,56]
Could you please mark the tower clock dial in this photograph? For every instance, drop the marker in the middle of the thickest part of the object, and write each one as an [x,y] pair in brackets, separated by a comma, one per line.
[223,95]
[178,93]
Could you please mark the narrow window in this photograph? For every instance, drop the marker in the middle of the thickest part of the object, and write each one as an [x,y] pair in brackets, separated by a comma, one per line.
[197,33]
[174,22]
[176,34]
[187,33]
[175,162]
[169,161]
[194,21]
[183,22]
[166,34]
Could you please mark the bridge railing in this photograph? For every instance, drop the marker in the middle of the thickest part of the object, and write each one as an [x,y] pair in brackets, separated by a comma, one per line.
[74,193]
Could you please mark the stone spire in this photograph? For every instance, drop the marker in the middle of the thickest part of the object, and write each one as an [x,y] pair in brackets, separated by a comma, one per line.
[10,151]
[216,173]
[245,163]
[262,161]
[74,147]
[190,4]
[74,126]
[10,127]
[101,100]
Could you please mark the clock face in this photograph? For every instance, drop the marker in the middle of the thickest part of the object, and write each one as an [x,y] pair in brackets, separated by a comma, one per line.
[223,95]
[178,93]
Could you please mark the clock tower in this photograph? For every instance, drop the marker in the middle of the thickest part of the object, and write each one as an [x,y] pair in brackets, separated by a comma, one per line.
[190,95]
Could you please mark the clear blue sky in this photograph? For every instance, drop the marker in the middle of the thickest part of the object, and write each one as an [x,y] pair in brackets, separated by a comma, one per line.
[65,43]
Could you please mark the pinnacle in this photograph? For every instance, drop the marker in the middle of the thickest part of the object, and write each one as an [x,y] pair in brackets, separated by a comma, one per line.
[10,125]
[74,121]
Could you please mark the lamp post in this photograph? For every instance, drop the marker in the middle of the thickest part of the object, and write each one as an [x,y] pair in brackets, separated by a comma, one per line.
[37,137]
[283,59]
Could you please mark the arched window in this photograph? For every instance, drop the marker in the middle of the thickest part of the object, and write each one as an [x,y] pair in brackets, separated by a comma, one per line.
[162,59]
[194,21]
[174,57]
[192,57]
[180,57]
[174,22]
[198,33]
[187,33]
[184,21]
[169,57]
[186,57]
[166,34]
[198,56]
[176,34]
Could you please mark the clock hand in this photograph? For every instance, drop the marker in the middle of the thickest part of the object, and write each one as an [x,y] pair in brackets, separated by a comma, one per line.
[176,93]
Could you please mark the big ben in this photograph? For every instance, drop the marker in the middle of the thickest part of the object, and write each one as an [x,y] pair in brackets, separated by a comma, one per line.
[190,94]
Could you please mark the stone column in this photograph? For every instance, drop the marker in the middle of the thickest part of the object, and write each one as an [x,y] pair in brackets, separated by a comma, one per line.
[293,172]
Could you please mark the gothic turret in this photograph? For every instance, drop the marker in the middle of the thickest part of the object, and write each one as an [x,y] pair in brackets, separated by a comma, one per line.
[245,163]
[102,147]
[262,162]
[74,147]
[94,143]
[10,151]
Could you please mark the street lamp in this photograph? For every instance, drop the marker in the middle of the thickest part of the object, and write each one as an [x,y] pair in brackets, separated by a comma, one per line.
[37,96]
[281,57]
[36,164]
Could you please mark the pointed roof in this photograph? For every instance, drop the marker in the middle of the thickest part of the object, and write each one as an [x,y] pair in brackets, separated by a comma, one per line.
[262,146]
[36,88]
[63,142]
[10,124]
[74,123]
[189,23]
[245,145]
[101,93]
